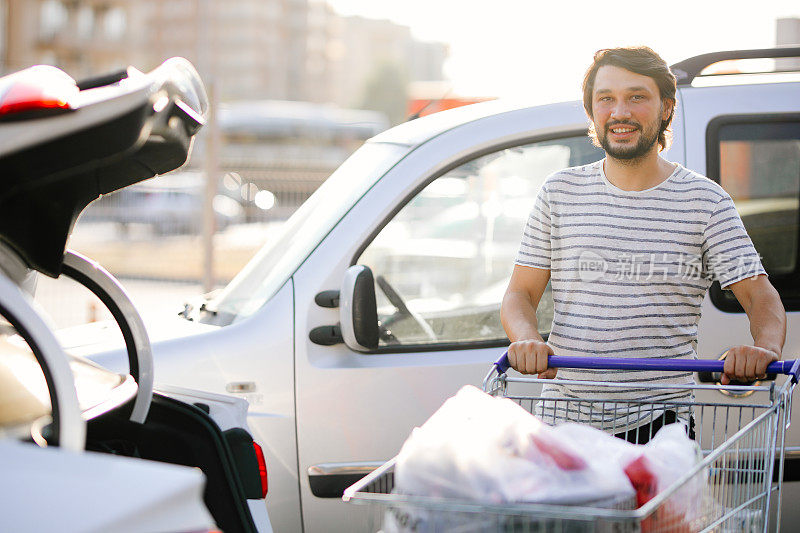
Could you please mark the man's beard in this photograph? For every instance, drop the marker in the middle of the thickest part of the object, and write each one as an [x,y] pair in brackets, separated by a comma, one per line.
[626,153]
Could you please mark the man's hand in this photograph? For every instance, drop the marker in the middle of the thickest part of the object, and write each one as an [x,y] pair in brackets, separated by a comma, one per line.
[767,319]
[747,363]
[530,357]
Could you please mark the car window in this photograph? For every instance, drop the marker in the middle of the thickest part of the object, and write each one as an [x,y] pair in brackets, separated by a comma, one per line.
[261,278]
[442,264]
[757,161]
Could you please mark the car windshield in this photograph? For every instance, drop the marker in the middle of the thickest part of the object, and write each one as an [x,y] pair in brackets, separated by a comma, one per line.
[261,278]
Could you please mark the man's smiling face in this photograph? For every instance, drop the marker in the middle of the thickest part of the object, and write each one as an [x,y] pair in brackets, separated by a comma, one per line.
[627,112]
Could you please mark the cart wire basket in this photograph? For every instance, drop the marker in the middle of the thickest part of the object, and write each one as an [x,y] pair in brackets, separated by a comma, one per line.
[731,489]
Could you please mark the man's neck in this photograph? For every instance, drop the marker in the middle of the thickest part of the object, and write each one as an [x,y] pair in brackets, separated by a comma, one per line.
[637,174]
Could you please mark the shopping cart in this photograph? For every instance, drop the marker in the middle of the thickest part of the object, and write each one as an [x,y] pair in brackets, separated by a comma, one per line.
[742,437]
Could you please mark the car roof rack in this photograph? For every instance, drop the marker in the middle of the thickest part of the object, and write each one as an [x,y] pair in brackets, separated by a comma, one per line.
[687,70]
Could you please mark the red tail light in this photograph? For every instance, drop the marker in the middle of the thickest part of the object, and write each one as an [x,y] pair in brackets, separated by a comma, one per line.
[37,89]
[262,469]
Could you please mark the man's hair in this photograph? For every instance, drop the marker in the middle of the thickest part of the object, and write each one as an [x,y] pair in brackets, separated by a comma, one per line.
[640,60]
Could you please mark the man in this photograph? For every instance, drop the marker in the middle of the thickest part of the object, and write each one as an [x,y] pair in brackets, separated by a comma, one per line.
[631,245]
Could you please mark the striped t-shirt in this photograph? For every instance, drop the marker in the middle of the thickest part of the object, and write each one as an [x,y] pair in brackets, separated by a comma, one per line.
[629,271]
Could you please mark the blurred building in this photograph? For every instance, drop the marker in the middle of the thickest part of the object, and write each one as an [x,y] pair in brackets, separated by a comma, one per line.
[324,52]
[83,37]
[360,47]
[251,49]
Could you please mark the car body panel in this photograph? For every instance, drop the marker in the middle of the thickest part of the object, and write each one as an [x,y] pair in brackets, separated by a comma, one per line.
[53,489]
[253,356]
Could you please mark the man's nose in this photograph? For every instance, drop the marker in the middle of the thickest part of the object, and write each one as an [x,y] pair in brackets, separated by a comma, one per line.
[620,111]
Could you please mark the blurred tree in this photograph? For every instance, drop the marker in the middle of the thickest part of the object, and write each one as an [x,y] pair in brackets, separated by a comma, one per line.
[386,90]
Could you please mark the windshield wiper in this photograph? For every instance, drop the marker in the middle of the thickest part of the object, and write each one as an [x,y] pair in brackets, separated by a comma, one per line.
[208,309]
[189,307]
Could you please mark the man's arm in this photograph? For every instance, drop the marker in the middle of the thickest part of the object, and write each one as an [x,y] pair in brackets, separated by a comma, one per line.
[528,352]
[767,318]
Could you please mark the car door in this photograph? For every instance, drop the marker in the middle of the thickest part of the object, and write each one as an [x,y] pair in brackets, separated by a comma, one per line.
[747,138]
[440,232]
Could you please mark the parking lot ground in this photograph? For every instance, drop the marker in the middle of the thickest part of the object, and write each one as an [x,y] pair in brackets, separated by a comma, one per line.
[139,254]
[160,272]
[68,304]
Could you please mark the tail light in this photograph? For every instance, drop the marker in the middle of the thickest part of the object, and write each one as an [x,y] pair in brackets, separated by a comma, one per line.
[36,91]
[262,469]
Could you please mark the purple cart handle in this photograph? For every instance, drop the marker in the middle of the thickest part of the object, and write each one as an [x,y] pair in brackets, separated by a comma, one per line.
[790,367]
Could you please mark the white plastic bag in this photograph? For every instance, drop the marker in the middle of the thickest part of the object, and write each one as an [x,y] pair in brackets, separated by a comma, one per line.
[662,462]
[490,449]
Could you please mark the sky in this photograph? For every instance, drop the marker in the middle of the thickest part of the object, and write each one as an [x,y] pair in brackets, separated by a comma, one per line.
[540,50]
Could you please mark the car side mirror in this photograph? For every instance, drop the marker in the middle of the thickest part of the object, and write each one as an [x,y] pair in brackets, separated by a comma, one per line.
[358,310]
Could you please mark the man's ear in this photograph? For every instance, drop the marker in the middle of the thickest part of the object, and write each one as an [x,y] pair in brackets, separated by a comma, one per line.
[667,108]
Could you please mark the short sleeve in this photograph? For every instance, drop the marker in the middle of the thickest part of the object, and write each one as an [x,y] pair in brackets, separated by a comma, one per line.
[534,250]
[728,253]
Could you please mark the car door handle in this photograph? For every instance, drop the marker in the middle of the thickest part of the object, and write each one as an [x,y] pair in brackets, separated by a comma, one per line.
[329,480]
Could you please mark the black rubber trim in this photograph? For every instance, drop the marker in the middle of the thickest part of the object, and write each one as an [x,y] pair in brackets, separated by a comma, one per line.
[244,456]
[116,312]
[447,346]
[328,299]
[791,470]
[332,486]
[102,80]
[784,282]
[365,310]
[203,407]
[440,347]
[55,425]
[326,335]
[743,471]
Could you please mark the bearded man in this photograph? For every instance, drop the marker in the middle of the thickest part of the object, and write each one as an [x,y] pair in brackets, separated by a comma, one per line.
[655,236]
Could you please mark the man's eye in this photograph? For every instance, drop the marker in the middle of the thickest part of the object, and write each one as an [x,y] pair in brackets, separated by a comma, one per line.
[638,97]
